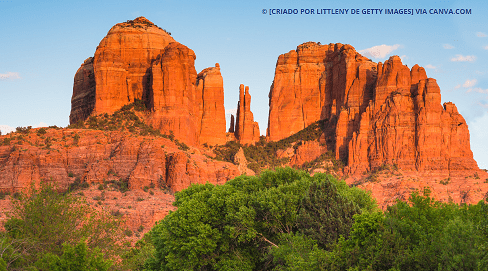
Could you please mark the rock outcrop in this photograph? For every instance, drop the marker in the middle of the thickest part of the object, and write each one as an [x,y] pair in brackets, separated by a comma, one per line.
[246,129]
[61,156]
[139,61]
[383,113]
[211,111]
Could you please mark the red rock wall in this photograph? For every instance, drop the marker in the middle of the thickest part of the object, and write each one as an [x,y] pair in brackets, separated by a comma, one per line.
[99,156]
[384,113]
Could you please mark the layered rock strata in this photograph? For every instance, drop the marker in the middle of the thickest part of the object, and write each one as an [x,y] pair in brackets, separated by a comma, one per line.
[383,113]
[139,61]
[98,156]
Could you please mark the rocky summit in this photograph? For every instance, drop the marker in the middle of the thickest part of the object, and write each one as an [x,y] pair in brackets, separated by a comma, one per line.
[138,60]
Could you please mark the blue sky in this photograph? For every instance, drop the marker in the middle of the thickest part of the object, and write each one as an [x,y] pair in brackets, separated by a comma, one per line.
[43,43]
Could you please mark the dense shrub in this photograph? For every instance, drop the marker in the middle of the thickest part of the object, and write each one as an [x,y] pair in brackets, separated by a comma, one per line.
[234,226]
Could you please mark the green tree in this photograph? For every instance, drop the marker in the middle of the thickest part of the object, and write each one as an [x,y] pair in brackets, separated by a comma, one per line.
[422,234]
[74,258]
[234,226]
[42,220]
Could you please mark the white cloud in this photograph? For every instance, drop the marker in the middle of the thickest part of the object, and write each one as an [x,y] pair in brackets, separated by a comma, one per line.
[486,47]
[448,46]
[469,83]
[379,51]
[462,58]
[429,66]
[41,124]
[481,34]
[479,90]
[6,129]
[403,57]
[232,111]
[458,86]
[9,75]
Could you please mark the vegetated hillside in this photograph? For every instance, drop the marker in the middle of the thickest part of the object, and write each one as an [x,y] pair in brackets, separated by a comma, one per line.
[116,152]
[308,149]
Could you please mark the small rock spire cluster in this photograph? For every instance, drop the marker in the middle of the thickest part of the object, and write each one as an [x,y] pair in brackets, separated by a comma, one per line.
[246,130]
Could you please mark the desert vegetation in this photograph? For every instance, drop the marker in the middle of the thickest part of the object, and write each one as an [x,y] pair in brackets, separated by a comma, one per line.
[263,155]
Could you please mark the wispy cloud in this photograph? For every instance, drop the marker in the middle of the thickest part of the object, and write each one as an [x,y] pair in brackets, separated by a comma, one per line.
[41,124]
[448,46]
[462,58]
[379,51]
[486,47]
[480,34]
[429,66]
[470,83]
[9,75]
[479,90]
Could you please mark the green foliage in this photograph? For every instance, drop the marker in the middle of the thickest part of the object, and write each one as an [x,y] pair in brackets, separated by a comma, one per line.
[296,253]
[182,146]
[123,119]
[77,185]
[325,214]
[234,226]
[23,130]
[422,235]
[41,131]
[43,220]
[76,257]
[136,257]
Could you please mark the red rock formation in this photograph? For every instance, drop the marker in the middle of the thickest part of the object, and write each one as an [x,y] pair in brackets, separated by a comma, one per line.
[97,156]
[231,128]
[120,68]
[211,113]
[315,82]
[172,98]
[83,100]
[138,60]
[246,129]
[383,113]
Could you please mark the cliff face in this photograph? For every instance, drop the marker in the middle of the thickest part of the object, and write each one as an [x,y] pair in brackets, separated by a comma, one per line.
[384,113]
[211,112]
[138,60]
[60,156]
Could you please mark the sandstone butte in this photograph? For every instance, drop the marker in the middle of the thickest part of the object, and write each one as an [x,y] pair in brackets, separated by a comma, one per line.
[138,60]
[375,113]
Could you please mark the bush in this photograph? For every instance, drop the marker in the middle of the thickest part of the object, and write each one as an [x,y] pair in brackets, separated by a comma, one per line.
[41,131]
[43,220]
[233,226]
